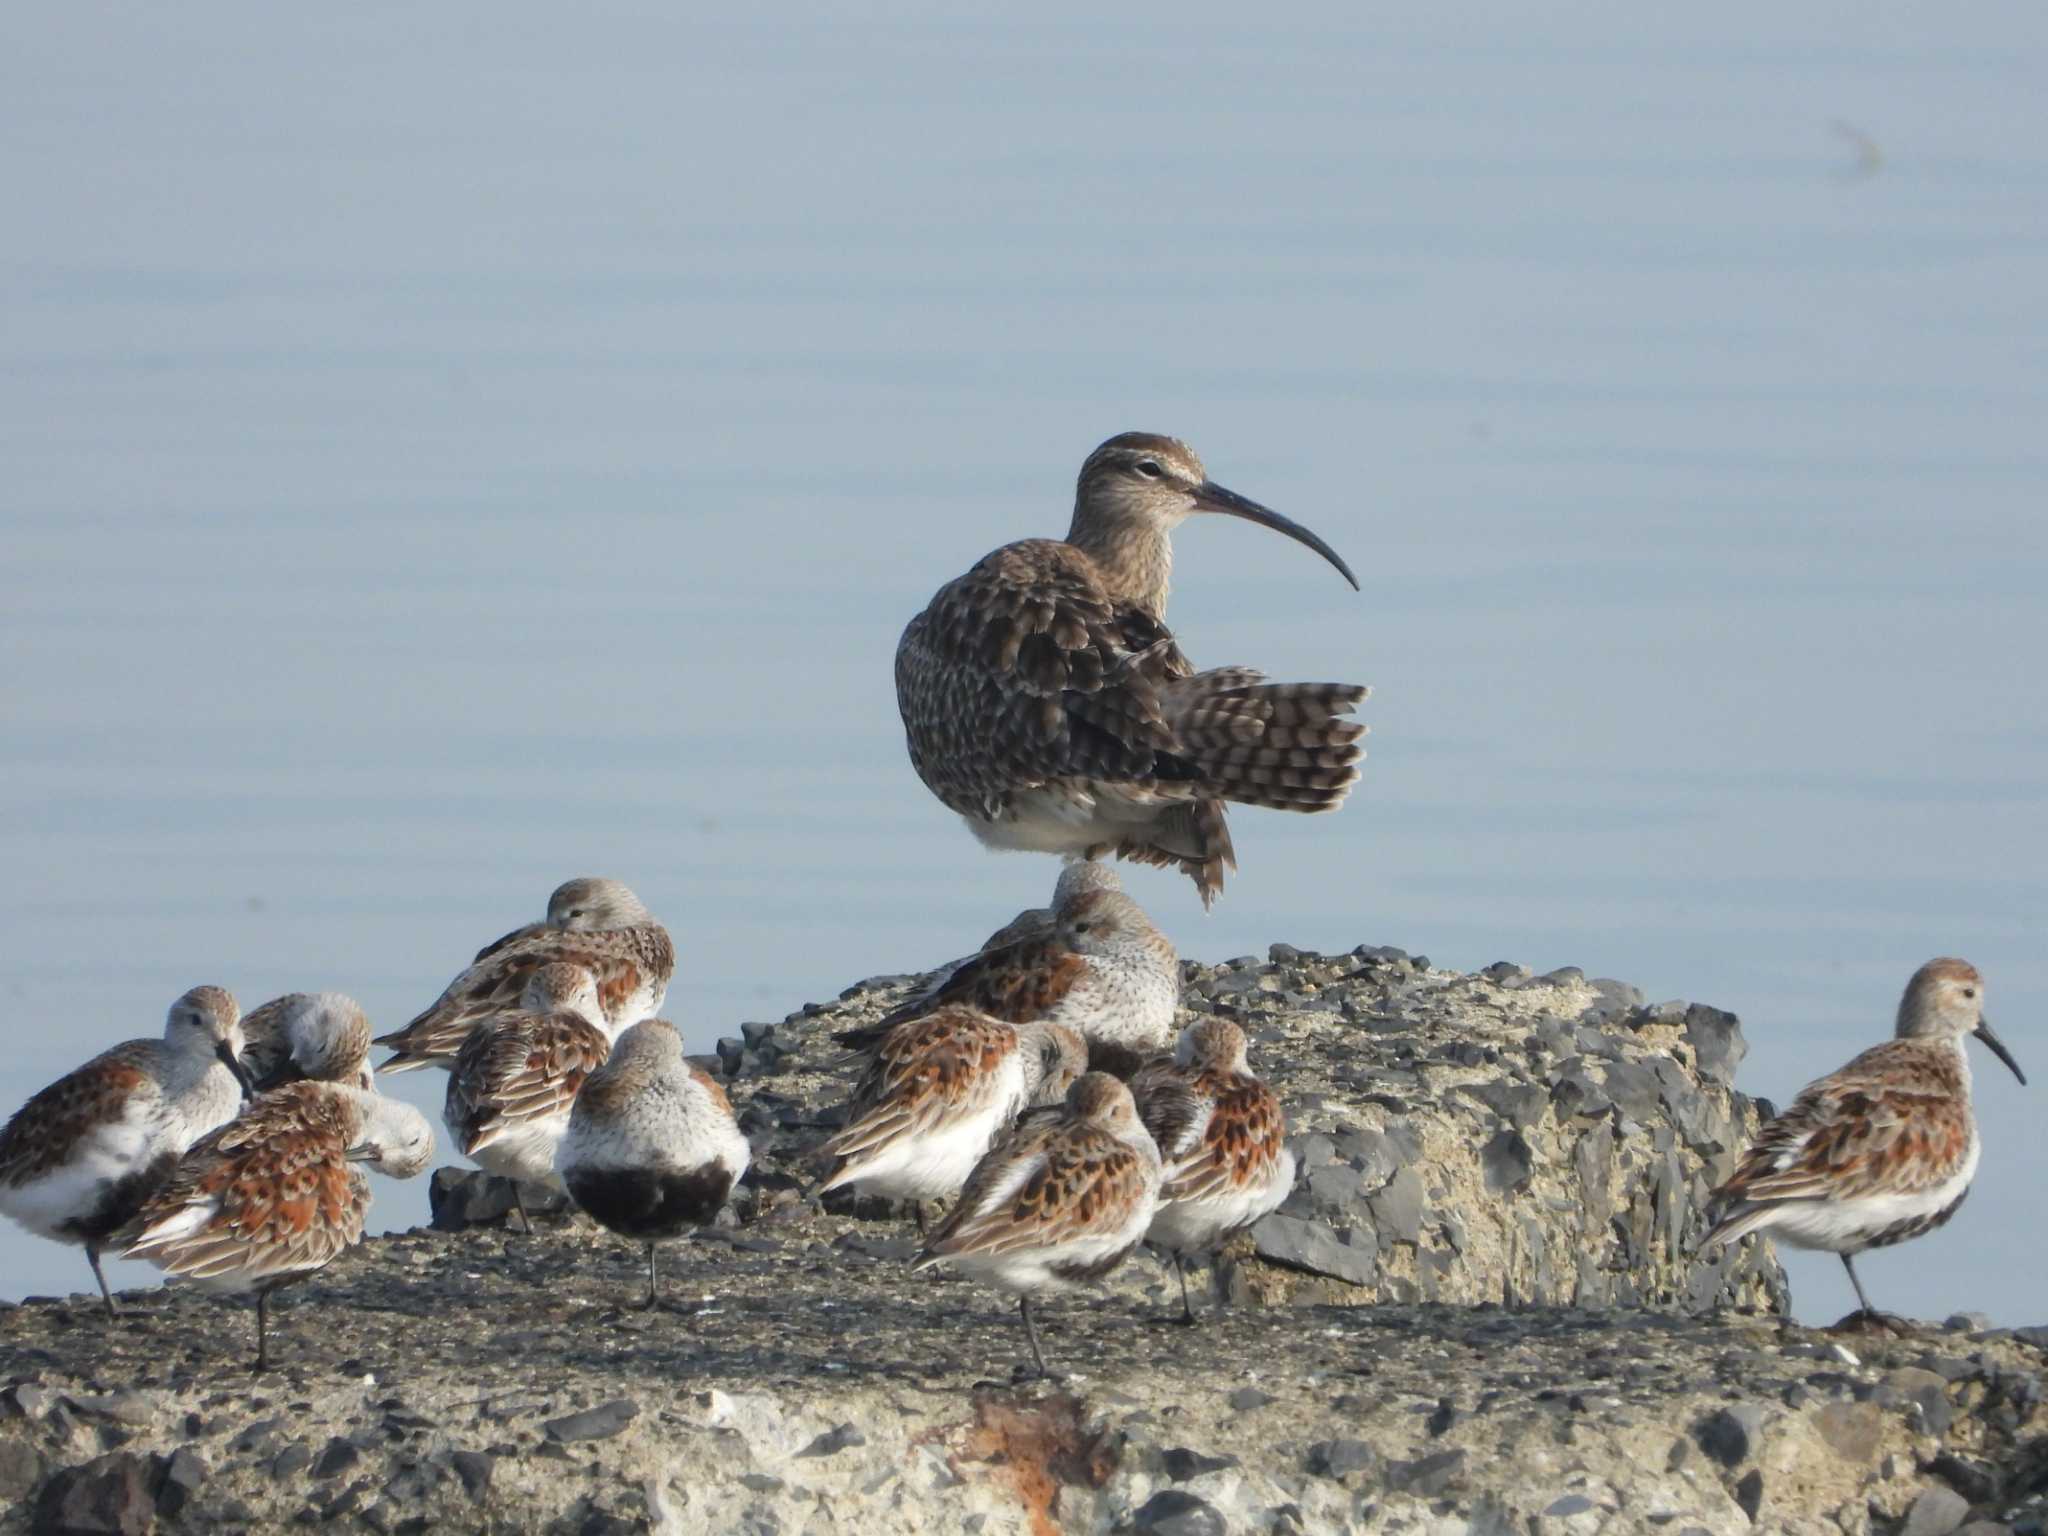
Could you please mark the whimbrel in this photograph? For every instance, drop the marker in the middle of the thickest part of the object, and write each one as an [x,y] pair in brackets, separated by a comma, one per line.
[1047,703]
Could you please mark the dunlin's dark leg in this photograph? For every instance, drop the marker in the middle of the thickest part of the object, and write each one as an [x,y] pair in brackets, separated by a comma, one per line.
[92,1257]
[650,1275]
[262,1332]
[917,1210]
[1187,1311]
[525,1216]
[1868,1309]
[1031,1334]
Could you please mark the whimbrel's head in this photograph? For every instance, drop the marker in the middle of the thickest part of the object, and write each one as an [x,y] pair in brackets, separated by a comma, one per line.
[590,904]
[207,1021]
[1945,1001]
[1140,482]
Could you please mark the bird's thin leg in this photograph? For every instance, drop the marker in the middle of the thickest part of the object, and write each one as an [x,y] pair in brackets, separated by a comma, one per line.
[92,1257]
[1031,1335]
[262,1332]
[917,1210]
[525,1216]
[1187,1311]
[1868,1309]
[650,1275]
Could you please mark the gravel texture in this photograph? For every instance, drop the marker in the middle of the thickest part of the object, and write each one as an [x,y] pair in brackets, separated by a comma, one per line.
[1475,1315]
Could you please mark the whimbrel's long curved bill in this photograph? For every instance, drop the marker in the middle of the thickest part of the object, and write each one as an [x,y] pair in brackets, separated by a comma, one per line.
[1983,1032]
[1211,497]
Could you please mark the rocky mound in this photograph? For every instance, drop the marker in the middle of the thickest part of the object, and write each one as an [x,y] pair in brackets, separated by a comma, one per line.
[1476,1314]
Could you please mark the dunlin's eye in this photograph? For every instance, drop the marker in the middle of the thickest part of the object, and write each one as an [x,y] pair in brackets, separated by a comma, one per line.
[1969,991]
[1150,469]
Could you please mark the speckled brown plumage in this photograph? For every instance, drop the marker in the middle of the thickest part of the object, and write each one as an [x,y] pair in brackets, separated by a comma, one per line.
[529,1068]
[1044,699]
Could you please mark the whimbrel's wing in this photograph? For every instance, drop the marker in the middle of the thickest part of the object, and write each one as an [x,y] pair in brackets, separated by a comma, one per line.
[1024,671]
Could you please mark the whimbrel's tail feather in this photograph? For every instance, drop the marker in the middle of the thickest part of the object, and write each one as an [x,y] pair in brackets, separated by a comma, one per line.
[1284,745]
[1192,837]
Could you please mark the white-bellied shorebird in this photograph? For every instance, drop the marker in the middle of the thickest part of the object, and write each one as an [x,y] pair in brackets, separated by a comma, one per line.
[1046,702]
[939,1090]
[597,924]
[1061,1200]
[321,1037]
[516,1076]
[80,1157]
[1880,1151]
[652,1148]
[1104,971]
[1222,1140]
[278,1193]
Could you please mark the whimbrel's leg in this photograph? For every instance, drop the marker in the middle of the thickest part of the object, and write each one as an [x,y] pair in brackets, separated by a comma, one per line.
[92,1257]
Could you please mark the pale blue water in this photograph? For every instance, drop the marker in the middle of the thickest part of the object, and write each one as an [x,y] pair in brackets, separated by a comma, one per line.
[450,452]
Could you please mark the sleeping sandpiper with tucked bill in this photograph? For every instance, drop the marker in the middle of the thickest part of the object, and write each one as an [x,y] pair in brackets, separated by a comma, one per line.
[1880,1151]
[1045,701]
[595,923]
[78,1160]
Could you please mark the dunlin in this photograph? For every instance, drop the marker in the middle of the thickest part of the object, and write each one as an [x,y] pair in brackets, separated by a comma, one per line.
[1046,702]
[1880,1151]
[1104,971]
[1222,1141]
[277,1193]
[652,1148]
[597,924]
[515,1077]
[78,1160]
[938,1091]
[321,1037]
[1062,1199]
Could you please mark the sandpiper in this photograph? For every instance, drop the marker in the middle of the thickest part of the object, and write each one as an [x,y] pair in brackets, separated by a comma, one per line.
[277,1194]
[1880,1151]
[1104,971]
[321,1037]
[1046,702]
[78,1159]
[515,1078]
[1222,1140]
[652,1148]
[1076,876]
[1062,1199]
[597,924]
[938,1091]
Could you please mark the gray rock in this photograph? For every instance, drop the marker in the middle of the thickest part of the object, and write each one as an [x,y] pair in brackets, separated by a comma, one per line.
[474,1468]
[1183,1465]
[1508,1163]
[1427,1476]
[1341,1458]
[1729,1435]
[1570,1504]
[1351,1256]
[833,1441]
[599,1423]
[1397,1209]
[1938,1511]
[112,1495]
[1749,1494]
[1175,1512]
[1716,1041]
[337,1457]
[21,1467]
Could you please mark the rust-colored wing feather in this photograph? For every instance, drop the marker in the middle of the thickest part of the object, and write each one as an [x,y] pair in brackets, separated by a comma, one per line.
[278,1194]
[54,1125]
[1241,1139]
[925,1071]
[1051,1182]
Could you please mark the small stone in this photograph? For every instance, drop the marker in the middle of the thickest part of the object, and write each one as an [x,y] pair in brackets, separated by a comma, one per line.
[21,1468]
[1749,1493]
[1570,1504]
[121,1407]
[1938,1511]
[112,1495]
[474,1468]
[1508,1163]
[1311,1246]
[1176,1512]
[1340,1458]
[1729,1435]
[1967,1322]
[599,1423]
[1427,1476]
[335,1458]
[1183,1464]
[1716,1041]
[833,1441]
[1245,1399]
[184,1474]
[291,1461]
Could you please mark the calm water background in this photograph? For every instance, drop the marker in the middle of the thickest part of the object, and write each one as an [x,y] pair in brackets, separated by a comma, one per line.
[451,451]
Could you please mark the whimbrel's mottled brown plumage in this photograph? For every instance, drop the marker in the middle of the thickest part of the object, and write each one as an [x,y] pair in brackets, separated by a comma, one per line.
[1047,703]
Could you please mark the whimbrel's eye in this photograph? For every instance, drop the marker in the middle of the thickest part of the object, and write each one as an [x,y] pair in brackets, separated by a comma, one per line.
[1150,469]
